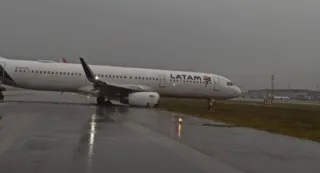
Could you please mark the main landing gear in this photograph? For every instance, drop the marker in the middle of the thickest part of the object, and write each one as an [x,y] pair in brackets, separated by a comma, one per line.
[210,105]
[1,90]
[1,96]
[102,101]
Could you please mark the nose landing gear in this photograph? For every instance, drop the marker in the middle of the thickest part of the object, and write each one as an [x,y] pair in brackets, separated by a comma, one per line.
[210,105]
[1,96]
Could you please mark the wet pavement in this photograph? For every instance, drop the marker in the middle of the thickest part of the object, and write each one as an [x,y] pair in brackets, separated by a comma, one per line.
[53,132]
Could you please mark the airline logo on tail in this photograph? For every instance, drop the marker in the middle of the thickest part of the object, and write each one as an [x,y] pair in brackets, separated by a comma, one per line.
[63,60]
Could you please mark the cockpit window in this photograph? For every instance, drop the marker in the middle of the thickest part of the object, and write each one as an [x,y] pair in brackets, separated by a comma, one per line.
[230,83]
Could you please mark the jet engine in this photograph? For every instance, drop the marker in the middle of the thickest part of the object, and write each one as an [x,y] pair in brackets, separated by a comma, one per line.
[142,99]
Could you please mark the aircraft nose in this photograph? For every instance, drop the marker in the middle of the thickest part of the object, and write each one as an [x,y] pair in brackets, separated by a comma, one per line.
[237,91]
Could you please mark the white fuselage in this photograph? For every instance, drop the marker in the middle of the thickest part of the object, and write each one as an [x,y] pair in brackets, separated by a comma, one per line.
[68,77]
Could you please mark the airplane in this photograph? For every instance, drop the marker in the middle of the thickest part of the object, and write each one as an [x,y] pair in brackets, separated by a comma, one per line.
[138,87]
[62,60]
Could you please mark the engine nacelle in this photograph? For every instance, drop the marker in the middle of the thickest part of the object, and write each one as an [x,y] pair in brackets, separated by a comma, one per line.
[142,99]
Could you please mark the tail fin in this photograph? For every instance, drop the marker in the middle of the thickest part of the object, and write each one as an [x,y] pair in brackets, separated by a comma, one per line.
[63,60]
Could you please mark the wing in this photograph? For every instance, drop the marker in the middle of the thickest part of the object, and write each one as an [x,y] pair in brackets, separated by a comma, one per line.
[107,88]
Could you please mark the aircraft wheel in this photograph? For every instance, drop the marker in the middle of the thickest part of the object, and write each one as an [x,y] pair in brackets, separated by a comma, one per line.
[108,103]
[100,100]
[157,104]
[1,96]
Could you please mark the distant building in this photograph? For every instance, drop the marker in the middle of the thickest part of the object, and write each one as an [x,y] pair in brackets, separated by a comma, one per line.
[295,94]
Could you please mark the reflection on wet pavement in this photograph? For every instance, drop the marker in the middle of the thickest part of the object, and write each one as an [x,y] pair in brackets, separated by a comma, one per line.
[68,134]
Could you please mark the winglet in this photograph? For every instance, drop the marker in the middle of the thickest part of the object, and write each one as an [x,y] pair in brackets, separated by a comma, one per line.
[87,70]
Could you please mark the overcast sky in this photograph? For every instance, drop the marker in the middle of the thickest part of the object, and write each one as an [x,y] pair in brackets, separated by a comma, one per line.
[244,40]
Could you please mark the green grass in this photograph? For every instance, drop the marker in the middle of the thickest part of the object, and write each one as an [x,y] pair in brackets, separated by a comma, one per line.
[302,121]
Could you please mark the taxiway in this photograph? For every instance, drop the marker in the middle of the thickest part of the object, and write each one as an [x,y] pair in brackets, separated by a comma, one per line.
[53,132]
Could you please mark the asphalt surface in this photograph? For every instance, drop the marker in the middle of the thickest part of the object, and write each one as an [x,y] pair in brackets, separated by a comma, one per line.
[53,132]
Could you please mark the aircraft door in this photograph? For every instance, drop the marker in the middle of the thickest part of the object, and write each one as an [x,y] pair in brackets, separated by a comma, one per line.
[162,81]
[216,83]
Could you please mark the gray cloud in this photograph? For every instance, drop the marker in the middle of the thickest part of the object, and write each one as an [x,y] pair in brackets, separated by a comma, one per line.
[245,40]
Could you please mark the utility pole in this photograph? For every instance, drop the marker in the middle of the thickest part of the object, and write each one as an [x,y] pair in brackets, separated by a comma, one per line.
[272,85]
[318,94]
